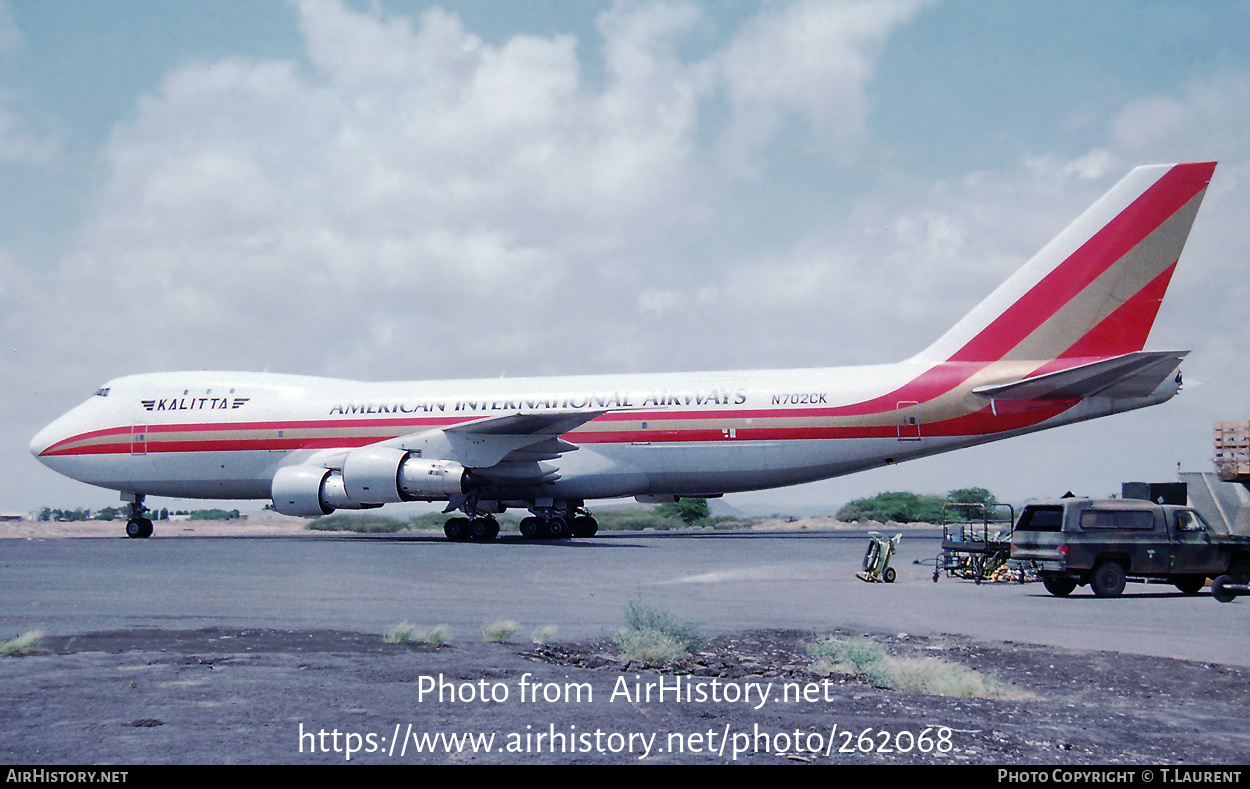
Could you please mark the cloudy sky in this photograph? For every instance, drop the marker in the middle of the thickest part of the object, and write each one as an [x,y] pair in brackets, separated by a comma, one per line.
[407,190]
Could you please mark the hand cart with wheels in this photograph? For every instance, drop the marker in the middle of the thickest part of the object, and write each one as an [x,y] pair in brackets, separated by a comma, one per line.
[976,540]
[877,567]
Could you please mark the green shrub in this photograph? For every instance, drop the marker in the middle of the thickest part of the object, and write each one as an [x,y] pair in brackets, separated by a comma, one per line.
[213,515]
[437,636]
[898,506]
[364,524]
[406,633]
[499,632]
[543,634]
[23,644]
[653,635]
[688,511]
[402,633]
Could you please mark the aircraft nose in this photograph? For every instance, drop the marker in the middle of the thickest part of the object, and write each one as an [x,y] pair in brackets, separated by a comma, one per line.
[46,438]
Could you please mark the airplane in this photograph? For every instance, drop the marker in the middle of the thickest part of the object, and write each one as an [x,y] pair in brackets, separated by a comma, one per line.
[1061,341]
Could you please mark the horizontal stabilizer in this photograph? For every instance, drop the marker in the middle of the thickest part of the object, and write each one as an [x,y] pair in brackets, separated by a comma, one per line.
[1131,375]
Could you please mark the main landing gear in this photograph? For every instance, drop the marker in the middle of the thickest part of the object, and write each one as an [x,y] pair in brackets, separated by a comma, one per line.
[137,526]
[479,528]
[558,527]
[483,528]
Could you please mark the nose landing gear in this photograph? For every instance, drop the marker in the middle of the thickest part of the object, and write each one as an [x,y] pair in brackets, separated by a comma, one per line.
[137,526]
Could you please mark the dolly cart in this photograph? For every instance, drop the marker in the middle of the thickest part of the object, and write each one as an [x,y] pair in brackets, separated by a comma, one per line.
[1226,589]
[877,567]
[976,540]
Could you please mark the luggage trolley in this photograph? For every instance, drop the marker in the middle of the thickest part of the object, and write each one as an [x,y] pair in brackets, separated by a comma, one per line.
[877,567]
[976,540]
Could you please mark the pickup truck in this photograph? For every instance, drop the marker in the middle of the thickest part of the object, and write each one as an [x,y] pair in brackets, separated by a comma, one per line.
[1106,542]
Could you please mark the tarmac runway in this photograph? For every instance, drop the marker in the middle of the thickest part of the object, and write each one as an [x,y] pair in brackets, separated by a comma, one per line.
[728,582]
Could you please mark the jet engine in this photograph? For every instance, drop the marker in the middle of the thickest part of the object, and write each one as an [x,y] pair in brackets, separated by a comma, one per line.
[370,477]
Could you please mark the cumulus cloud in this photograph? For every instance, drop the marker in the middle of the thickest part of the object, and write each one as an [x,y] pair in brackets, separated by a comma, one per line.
[810,61]
[413,201]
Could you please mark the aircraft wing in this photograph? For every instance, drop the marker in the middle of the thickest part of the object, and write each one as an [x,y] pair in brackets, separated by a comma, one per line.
[1131,375]
[489,443]
[504,448]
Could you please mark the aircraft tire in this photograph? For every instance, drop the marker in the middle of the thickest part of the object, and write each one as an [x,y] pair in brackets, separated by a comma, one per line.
[558,529]
[138,528]
[585,526]
[870,555]
[483,529]
[457,529]
[1108,579]
[531,528]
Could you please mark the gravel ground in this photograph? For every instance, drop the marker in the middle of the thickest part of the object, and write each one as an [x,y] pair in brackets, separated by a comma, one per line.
[262,696]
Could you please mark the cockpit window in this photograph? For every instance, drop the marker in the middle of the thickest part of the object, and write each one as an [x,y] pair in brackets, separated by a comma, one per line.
[103,392]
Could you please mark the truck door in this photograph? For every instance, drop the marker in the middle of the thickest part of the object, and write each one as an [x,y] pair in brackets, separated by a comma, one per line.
[1193,552]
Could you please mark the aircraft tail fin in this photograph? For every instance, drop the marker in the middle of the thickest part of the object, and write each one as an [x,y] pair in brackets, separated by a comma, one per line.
[1094,291]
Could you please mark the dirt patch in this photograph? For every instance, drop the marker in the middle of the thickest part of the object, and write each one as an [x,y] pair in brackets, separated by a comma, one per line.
[269,696]
[259,525]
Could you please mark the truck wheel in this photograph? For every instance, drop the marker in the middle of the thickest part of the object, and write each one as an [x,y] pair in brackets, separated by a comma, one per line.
[1108,579]
[1058,585]
[1189,584]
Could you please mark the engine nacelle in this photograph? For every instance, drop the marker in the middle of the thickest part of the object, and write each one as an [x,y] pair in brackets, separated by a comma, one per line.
[371,477]
[432,479]
[382,475]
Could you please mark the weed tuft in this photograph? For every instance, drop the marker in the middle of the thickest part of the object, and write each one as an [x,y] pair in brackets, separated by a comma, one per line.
[402,633]
[407,633]
[23,644]
[869,660]
[656,636]
[543,634]
[437,636]
[499,632]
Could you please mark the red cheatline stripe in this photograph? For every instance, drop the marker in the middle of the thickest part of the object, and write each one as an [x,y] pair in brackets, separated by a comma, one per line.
[977,423]
[1123,331]
[1145,214]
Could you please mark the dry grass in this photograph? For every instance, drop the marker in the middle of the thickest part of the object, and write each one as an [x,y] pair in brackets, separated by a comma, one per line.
[542,635]
[499,632]
[655,636]
[869,660]
[23,644]
[407,633]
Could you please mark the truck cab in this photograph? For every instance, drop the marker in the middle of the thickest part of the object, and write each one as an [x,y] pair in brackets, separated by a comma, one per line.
[1106,542]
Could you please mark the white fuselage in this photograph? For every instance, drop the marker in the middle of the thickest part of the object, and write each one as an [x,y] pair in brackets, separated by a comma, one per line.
[224,435]
[1060,341]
